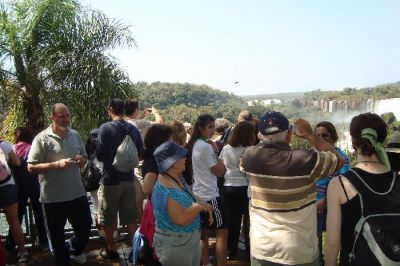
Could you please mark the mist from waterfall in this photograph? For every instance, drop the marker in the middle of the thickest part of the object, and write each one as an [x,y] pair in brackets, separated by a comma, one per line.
[375,106]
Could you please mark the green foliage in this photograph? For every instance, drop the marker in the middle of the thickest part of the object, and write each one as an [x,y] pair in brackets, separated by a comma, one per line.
[185,102]
[379,92]
[393,124]
[231,109]
[165,95]
[299,143]
[389,118]
[10,122]
[58,50]
[352,156]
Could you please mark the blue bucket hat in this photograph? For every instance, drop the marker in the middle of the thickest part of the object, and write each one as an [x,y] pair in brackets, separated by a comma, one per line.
[167,154]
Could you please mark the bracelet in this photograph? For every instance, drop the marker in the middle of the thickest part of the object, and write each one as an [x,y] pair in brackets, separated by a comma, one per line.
[59,164]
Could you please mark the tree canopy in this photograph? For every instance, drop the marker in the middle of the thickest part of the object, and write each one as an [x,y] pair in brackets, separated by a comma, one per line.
[165,95]
[59,51]
[391,90]
[185,101]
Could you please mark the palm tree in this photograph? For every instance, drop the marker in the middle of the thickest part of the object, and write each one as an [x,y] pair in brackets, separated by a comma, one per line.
[59,51]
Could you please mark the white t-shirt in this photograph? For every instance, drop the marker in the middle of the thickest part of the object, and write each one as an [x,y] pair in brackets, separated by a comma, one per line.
[231,157]
[6,148]
[205,182]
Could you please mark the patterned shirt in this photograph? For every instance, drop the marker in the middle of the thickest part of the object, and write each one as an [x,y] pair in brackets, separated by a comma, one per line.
[160,196]
[283,210]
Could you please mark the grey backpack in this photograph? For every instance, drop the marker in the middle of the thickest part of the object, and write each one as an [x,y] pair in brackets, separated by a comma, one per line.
[126,158]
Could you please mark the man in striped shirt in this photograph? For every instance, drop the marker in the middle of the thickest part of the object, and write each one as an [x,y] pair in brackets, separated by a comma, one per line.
[283,215]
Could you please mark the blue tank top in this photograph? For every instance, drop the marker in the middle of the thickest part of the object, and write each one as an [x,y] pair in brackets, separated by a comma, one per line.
[160,197]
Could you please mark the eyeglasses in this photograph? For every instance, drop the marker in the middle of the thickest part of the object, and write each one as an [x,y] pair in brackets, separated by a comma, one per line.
[324,135]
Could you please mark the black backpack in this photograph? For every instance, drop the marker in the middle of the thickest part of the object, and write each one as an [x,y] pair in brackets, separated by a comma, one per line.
[91,175]
[377,233]
[224,139]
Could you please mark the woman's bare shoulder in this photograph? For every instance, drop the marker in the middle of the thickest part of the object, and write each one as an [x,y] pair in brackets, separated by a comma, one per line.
[337,187]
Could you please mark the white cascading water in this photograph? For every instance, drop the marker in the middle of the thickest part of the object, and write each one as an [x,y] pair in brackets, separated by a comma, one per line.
[379,107]
[386,106]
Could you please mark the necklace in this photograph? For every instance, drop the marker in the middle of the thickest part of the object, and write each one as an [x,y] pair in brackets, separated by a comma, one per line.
[173,179]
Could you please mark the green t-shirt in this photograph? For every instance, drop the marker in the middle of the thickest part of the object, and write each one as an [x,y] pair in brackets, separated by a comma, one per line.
[58,185]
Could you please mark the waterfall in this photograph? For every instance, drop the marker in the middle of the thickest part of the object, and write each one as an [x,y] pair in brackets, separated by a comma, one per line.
[388,105]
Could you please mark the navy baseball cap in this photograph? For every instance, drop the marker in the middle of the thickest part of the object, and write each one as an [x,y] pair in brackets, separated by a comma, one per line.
[94,132]
[272,123]
[167,154]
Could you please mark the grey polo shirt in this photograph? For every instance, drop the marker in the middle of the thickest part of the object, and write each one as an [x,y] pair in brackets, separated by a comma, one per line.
[58,185]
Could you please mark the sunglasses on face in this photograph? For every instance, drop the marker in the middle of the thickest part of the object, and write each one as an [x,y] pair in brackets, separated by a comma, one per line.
[324,135]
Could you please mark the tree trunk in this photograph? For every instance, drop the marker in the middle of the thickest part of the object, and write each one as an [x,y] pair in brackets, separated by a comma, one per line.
[33,109]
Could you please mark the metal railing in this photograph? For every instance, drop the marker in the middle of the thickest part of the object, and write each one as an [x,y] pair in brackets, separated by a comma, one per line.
[29,226]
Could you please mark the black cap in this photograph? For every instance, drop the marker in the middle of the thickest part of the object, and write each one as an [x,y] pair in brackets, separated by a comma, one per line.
[272,123]
[94,132]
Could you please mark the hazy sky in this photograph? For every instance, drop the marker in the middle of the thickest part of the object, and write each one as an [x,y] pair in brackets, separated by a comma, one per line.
[268,46]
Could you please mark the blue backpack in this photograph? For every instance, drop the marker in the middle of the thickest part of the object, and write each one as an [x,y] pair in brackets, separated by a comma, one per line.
[142,253]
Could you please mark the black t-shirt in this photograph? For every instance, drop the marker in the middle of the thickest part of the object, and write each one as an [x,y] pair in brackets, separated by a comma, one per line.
[394,159]
[149,166]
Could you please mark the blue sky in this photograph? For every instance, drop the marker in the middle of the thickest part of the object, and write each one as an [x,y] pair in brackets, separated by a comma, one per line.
[268,46]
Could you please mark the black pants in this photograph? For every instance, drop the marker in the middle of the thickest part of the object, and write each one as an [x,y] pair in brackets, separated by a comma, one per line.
[29,189]
[237,207]
[78,214]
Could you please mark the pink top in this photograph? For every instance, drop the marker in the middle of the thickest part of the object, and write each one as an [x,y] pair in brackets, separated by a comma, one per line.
[22,149]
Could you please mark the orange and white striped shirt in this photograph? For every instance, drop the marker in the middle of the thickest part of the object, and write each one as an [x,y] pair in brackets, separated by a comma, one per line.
[283,216]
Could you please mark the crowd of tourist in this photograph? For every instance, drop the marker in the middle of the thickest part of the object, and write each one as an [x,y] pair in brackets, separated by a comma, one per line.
[175,185]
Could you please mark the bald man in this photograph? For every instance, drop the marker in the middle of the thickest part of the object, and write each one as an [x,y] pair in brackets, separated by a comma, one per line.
[56,155]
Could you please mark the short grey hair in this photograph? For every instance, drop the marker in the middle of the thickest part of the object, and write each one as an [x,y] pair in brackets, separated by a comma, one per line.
[187,125]
[278,137]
